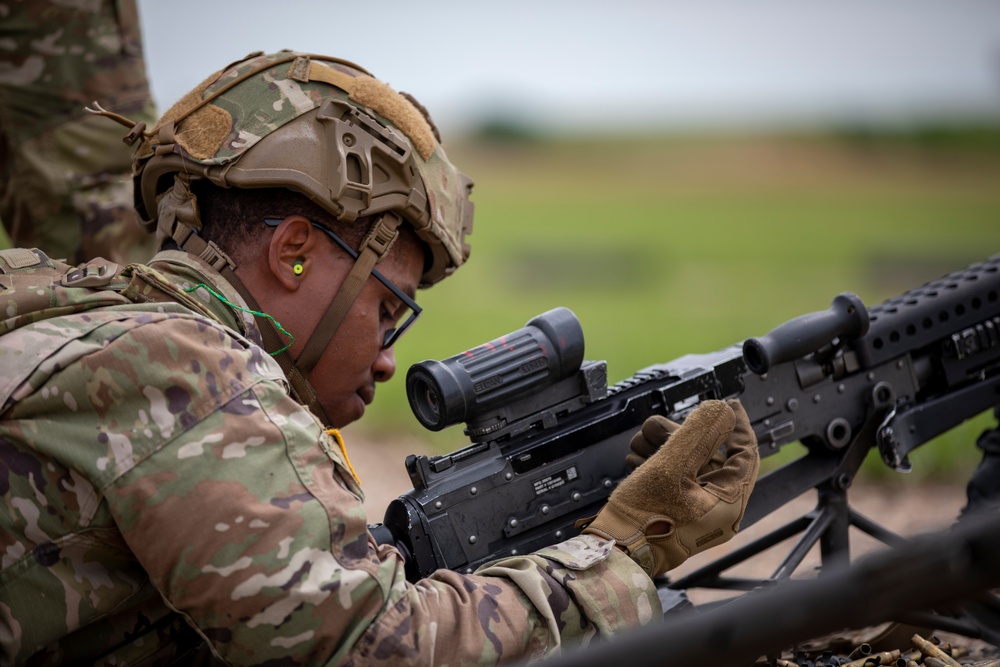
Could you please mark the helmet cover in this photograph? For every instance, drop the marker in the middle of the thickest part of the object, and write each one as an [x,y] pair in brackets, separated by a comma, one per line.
[321,126]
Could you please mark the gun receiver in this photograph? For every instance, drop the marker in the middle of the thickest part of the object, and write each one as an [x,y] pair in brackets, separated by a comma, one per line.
[549,437]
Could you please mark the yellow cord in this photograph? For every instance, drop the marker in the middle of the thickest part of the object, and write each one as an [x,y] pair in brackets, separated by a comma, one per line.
[343,450]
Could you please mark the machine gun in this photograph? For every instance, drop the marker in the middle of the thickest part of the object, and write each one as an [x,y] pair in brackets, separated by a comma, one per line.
[549,437]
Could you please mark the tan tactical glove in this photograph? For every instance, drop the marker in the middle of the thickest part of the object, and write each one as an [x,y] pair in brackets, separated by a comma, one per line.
[690,494]
[654,434]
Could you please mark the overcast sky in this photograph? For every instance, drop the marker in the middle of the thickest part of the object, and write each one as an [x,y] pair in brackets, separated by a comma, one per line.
[583,62]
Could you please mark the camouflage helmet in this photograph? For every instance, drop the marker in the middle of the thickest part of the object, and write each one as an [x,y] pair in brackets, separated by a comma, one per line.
[321,126]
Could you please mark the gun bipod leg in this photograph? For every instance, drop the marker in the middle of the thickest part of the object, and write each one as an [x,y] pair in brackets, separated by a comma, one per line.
[839,517]
[709,576]
[834,542]
[820,520]
[869,527]
[829,525]
[832,513]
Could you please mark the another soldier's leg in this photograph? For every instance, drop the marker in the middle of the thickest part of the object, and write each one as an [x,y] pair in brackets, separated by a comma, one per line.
[69,193]
[35,201]
[100,189]
[65,174]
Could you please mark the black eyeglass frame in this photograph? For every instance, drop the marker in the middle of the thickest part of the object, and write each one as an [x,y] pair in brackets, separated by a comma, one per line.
[392,335]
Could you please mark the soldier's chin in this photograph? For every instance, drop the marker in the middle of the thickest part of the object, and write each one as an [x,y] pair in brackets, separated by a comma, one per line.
[349,411]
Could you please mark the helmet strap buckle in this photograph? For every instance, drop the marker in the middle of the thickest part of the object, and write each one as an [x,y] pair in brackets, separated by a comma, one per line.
[382,235]
[217,259]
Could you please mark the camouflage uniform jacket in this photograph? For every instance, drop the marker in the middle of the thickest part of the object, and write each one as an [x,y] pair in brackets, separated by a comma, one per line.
[153,468]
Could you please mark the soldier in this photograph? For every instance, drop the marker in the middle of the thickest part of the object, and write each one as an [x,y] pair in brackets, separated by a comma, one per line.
[174,486]
[64,174]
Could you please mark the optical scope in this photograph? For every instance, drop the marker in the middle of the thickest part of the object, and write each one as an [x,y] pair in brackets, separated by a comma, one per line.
[467,386]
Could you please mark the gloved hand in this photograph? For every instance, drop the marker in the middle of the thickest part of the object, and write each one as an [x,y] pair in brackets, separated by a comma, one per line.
[654,434]
[687,496]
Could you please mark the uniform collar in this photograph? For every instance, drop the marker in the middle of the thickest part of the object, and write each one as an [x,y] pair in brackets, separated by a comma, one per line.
[188,272]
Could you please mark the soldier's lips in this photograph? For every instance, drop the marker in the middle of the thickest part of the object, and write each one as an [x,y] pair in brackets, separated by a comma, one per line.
[367,395]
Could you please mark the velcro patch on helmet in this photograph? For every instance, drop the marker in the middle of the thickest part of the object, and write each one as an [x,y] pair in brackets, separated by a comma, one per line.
[202,133]
[374,94]
[185,104]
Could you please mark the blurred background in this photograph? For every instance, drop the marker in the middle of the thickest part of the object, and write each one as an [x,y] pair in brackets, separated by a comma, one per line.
[681,175]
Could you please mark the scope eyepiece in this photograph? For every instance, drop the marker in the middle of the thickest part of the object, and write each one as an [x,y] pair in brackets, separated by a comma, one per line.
[464,387]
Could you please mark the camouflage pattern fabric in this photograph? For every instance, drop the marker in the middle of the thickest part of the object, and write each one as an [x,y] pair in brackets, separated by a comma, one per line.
[154,470]
[65,174]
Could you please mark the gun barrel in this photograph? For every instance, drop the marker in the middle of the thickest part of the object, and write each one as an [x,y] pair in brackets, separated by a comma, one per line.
[847,317]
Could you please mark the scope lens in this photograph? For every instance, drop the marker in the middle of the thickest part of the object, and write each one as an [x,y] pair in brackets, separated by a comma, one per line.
[429,402]
[426,402]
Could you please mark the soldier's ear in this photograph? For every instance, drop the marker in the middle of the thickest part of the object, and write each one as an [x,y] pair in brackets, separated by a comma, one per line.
[291,246]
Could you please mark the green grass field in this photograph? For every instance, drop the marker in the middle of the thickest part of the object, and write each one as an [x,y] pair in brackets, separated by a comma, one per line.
[668,246]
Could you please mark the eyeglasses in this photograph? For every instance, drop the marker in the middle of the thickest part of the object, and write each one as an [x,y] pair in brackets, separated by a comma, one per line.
[393,334]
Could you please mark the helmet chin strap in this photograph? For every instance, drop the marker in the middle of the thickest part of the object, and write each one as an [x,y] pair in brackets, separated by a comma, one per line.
[376,244]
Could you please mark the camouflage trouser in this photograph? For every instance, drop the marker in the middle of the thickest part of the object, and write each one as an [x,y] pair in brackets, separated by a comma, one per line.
[65,182]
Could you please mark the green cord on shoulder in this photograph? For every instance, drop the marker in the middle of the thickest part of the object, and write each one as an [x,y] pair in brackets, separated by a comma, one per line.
[291,339]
